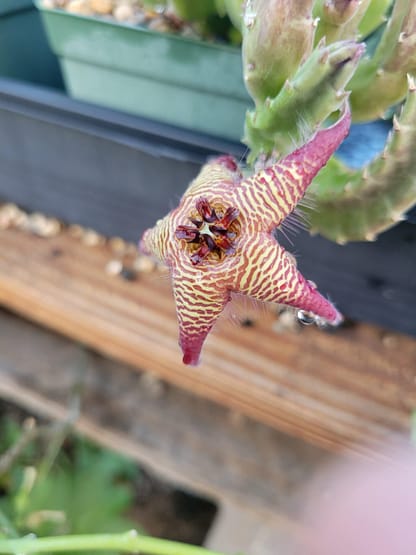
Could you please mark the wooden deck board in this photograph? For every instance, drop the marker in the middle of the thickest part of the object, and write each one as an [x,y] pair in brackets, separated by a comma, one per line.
[193,442]
[349,390]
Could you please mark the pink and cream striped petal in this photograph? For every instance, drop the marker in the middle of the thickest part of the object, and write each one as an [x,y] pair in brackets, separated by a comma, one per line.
[219,239]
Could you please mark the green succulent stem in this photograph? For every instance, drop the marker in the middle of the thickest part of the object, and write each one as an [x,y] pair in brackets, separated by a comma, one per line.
[339,19]
[190,10]
[375,16]
[234,10]
[380,80]
[129,542]
[356,205]
[279,124]
[278,36]
[391,34]
[297,88]
[349,19]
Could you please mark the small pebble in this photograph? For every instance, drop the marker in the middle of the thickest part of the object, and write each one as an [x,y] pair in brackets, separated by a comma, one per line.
[76,231]
[101,7]
[53,227]
[80,7]
[36,223]
[92,239]
[8,215]
[5,221]
[22,220]
[124,12]
[50,227]
[11,210]
[117,245]
[132,12]
[144,265]
[286,322]
[114,267]
[131,249]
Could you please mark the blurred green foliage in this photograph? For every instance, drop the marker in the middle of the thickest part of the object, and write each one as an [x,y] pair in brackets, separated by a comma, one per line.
[75,489]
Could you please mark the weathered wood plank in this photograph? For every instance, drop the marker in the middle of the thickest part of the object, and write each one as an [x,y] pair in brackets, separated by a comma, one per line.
[348,390]
[193,442]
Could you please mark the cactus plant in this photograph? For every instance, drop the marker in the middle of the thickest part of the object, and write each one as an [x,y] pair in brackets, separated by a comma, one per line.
[219,240]
[293,99]
[298,59]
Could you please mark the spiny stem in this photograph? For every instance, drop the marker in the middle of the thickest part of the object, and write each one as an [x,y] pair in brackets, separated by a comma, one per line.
[357,205]
[129,542]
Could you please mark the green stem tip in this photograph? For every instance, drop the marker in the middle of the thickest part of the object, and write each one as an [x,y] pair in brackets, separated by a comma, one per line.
[130,542]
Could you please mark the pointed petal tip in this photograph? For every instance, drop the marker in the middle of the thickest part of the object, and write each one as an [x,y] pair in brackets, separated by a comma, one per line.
[324,311]
[320,148]
[344,121]
[228,162]
[191,348]
[190,359]
[337,320]
[330,314]
[331,137]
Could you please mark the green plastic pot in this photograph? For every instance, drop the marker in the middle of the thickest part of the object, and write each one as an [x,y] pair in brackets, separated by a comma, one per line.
[24,49]
[192,84]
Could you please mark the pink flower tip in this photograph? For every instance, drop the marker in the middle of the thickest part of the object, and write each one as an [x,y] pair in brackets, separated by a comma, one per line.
[228,162]
[191,348]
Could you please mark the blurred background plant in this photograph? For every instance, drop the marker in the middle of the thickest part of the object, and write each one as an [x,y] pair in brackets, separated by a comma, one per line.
[59,492]
[53,483]
[210,19]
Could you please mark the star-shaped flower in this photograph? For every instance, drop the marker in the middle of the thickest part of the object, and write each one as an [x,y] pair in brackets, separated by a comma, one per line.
[219,240]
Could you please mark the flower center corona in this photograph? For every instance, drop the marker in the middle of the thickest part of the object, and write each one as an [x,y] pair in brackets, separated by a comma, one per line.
[213,230]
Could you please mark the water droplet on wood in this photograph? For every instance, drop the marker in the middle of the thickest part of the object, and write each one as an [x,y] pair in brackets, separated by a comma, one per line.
[305,318]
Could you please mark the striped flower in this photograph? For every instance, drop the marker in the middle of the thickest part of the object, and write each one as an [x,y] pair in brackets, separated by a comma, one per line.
[219,240]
